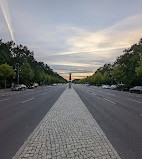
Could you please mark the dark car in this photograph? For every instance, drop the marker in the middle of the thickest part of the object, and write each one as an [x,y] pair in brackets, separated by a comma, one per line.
[136,89]
[31,86]
[122,87]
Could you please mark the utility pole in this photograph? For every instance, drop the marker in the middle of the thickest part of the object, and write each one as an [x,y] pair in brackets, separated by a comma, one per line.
[17,68]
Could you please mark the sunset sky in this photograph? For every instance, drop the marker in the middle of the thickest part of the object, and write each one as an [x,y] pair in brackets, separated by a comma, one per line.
[76,36]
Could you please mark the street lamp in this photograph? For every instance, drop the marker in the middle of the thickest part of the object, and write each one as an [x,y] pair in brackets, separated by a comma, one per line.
[17,71]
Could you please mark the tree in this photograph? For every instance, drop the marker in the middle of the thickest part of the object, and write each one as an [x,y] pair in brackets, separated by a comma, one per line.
[106,78]
[98,78]
[139,70]
[118,74]
[6,72]
[26,74]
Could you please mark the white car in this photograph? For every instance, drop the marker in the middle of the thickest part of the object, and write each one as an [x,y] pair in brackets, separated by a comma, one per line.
[23,86]
[113,87]
[105,86]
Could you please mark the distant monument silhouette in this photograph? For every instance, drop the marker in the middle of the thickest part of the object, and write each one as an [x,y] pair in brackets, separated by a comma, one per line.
[69,80]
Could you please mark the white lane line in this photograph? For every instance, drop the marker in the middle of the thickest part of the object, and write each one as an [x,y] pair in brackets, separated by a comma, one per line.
[27,100]
[38,91]
[43,94]
[27,93]
[4,99]
[134,100]
[110,94]
[109,100]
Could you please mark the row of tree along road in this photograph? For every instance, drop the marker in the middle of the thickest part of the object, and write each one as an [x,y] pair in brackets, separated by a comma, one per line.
[18,65]
[126,69]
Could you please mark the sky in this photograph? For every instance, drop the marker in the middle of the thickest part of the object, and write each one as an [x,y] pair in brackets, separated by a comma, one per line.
[72,36]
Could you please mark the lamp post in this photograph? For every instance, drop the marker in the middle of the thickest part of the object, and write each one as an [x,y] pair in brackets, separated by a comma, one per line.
[111,79]
[17,69]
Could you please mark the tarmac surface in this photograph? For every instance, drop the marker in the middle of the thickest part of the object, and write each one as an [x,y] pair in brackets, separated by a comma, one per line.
[21,112]
[75,119]
[68,131]
[119,114]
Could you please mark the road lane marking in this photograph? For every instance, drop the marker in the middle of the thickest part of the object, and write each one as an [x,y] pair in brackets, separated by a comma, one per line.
[134,100]
[110,94]
[38,91]
[27,100]
[27,93]
[71,109]
[4,99]
[109,100]
[43,94]
[3,95]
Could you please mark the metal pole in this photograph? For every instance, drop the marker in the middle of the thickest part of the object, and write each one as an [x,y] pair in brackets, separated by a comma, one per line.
[18,74]
[17,69]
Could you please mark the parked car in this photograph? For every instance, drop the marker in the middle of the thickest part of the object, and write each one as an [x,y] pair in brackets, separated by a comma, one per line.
[122,87]
[113,87]
[24,87]
[136,89]
[105,86]
[31,86]
[17,87]
[35,84]
[54,84]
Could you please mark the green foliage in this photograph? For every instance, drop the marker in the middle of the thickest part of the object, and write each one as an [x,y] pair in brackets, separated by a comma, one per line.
[118,74]
[127,68]
[97,78]
[6,72]
[31,70]
[106,78]
[26,74]
[139,70]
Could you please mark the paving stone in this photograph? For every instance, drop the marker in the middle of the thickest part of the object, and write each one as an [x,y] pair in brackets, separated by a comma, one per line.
[67,131]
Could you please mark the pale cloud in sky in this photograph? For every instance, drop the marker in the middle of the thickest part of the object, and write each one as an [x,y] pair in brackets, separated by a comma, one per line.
[5,10]
[73,36]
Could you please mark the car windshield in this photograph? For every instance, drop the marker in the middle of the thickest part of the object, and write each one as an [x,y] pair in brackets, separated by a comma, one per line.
[17,85]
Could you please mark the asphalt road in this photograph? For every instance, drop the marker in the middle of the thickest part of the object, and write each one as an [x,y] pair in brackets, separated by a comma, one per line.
[119,114]
[20,113]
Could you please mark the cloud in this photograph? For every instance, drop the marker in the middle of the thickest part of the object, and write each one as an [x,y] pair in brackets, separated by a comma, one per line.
[121,35]
[4,7]
[77,71]
[91,50]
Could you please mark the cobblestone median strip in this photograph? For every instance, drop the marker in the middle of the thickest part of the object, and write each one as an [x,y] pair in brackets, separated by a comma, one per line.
[67,131]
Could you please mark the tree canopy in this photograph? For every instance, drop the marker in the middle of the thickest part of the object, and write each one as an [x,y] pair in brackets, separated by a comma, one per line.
[31,69]
[126,69]
[6,72]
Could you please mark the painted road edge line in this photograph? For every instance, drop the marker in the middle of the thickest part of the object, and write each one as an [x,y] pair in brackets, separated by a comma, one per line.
[134,100]
[4,99]
[43,94]
[109,100]
[27,100]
